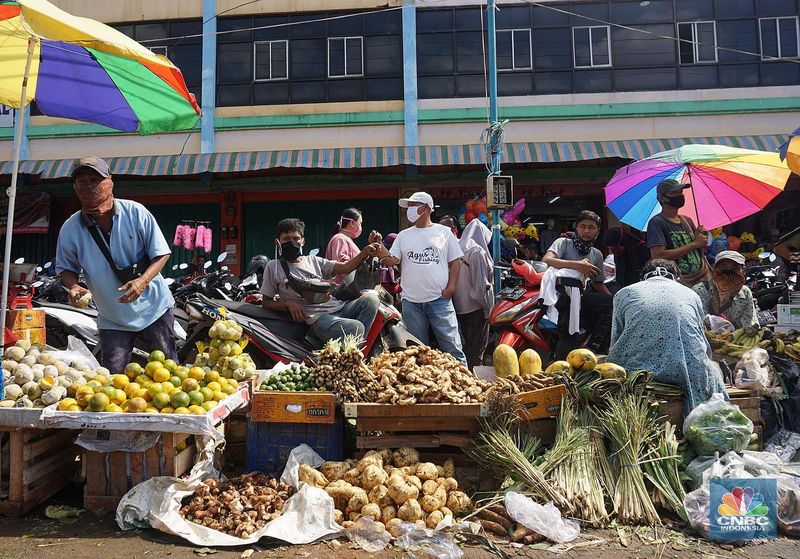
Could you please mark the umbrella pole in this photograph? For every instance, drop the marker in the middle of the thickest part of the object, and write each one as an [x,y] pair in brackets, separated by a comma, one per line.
[12,190]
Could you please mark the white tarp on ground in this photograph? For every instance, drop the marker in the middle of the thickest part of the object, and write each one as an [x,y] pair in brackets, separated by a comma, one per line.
[307,515]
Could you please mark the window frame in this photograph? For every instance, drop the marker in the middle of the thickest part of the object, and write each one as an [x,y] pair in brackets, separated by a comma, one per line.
[777,19]
[514,67]
[345,39]
[165,47]
[591,49]
[695,45]
[255,60]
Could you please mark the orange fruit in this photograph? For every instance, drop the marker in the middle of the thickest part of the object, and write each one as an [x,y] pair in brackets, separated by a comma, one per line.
[131,389]
[180,400]
[197,410]
[196,397]
[210,405]
[167,409]
[207,393]
[219,395]
[151,410]
[175,380]
[157,355]
[119,397]
[133,370]
[181,411]
[136,405]
[170,365]
[99,402]
[155,388]
[161,374]
[151,367]
[189,384]
[197,373]
[161,401]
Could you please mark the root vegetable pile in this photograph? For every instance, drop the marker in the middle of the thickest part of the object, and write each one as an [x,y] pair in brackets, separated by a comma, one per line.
[495,520]
[421,375]
[340,368]
[418,375]
[390,488]
[240,506]
[523,383]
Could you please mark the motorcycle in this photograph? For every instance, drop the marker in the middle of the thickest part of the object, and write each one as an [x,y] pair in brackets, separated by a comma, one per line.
[519,318]
[274,337]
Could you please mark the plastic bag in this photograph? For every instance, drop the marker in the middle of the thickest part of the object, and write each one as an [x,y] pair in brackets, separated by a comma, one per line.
[543,519]
[788,506]
[435,543]
[76,351]
[717,324]
[717,426]
[745,464]
[367,535]
[753,372]
[784,444]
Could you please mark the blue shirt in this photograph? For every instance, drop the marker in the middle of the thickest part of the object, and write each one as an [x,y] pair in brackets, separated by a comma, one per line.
[135,236]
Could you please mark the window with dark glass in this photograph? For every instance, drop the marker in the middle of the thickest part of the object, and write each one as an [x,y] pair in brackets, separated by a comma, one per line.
[271,60]
[160,49]
[591,46]
[514,49]
[779,37]
[698,43]
[345,57]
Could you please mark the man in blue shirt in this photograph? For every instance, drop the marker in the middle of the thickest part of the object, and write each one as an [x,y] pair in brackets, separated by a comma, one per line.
[132,298]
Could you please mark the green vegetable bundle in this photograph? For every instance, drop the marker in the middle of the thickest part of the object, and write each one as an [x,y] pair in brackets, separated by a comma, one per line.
[717,426]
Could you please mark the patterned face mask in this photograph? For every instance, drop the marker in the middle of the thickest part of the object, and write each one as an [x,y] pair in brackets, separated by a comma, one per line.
[583,247]
[727,284]
[97,198]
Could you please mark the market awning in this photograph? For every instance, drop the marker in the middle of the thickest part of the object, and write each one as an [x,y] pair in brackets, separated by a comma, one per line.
[376,157]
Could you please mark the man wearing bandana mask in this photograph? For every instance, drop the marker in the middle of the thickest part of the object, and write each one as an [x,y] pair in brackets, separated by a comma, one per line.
[578,253]
[140,306]
[726,295]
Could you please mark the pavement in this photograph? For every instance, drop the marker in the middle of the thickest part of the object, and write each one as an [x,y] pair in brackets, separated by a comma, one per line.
[93,536]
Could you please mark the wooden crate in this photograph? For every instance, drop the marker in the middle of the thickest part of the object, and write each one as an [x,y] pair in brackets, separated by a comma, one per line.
[419,426]
[34,465]
[272,406]
[539,404]
[110,475]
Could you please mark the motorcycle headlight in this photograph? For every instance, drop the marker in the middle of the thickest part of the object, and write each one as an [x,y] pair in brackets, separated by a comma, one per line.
[510,314]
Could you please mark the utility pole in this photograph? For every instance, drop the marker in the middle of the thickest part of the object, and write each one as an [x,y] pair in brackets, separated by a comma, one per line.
[494,135]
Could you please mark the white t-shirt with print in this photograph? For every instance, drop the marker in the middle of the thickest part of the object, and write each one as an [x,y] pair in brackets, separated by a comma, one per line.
[424,254]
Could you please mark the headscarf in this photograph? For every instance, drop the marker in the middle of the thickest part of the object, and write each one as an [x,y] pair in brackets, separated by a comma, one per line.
[724,289]
[475,234]
[97,198]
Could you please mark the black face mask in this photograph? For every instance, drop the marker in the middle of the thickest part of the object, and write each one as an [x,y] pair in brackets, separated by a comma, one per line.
[675,201]
[583,247]
[291,250]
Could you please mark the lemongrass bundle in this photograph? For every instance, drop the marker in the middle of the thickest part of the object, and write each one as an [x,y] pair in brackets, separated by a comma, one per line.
[661,470]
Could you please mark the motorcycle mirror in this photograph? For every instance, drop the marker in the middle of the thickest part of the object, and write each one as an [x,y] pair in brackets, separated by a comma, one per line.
[39,269]
[174,267]
[207,265]
[47,265]
[223,269]
[37,284]
[184,265]
[19,261]
[764,255]
[314,252]
[221,258]
[169,281]
[772,257]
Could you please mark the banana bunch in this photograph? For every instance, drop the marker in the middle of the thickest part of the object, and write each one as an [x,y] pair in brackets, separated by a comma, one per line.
[735,344]
[787,344]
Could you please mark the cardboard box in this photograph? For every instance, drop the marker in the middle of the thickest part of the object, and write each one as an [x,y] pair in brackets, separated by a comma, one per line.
[270,406]
[25,319]
[542,403]
[789,316]
[36,336]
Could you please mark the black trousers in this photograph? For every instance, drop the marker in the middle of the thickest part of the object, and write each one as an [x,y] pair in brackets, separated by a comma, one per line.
[474,329]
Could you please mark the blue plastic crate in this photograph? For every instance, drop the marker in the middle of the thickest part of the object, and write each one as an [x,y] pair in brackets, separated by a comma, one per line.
[269,444]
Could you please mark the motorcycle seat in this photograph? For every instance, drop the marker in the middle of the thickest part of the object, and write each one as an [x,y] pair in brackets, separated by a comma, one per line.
[254,311]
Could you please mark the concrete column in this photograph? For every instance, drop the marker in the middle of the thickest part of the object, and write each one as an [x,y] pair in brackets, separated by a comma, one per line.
[410,131]
[209,84]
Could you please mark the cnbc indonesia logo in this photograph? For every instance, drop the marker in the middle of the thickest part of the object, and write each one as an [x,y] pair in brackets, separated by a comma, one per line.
[743,510]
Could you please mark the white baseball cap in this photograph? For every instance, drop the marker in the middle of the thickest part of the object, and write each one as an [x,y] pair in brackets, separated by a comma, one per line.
[422,197]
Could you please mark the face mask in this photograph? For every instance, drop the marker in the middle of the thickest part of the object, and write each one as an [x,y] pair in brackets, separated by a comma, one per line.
[97,198]
[356,232]
[412,214]
[291,250]
[583,247]
[675,201]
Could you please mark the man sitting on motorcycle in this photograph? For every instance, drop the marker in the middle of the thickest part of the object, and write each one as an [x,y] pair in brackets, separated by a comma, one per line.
[305,296]
[579,254]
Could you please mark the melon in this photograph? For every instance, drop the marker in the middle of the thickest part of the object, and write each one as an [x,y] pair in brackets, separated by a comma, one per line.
[505,361]
[582,360]
[530,362]
[559,368]
[611,371]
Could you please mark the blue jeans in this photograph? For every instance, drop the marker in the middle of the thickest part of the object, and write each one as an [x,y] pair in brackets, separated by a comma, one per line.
[116,346]
[440,316]
[355,318]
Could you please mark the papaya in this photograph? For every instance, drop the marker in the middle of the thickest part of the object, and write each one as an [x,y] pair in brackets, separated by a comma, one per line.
[505,361]
[611,371]
[559,368]
[582,360]
[529,362]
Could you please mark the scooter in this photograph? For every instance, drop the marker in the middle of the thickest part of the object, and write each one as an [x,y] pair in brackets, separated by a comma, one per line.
[275,338]
[519,317]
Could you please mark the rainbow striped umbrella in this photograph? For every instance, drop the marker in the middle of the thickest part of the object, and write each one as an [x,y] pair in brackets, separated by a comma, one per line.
[727,184]
[790,151]
[84,70]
